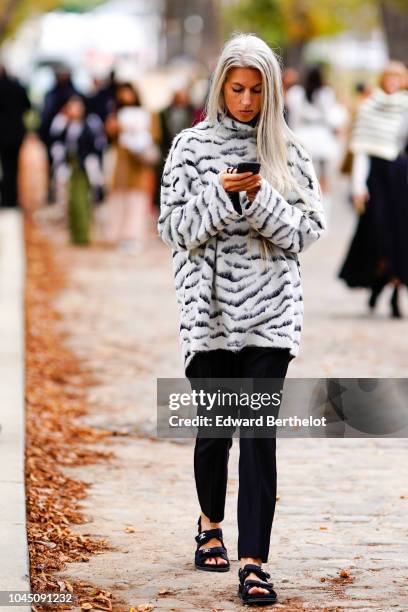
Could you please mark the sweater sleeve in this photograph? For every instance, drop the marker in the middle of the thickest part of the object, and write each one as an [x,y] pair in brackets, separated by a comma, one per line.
[191,210]
[290,225]
[359,173]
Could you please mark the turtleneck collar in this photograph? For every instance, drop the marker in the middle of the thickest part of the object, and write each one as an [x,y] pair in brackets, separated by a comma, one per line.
[396,98]
[229,123]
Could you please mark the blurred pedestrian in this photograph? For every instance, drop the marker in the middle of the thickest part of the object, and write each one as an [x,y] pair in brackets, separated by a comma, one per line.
[101,101]
[177,116]
[33,173]
[235,238]
[378,254]
[76,146]
[55,99]
[14,103]
[361,92]
[135,133]
[290,77]
[198,94]
[315,115]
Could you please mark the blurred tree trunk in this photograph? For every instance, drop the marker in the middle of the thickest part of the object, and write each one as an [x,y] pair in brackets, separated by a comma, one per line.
[202,45]
[212,30]
[292,54]
[394,16]
[173,28]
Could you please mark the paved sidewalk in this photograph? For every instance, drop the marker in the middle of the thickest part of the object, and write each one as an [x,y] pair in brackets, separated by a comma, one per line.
[14,572]
[342,503]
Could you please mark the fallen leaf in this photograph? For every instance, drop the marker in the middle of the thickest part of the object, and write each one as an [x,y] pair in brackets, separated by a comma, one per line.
[97,606]
[57,383]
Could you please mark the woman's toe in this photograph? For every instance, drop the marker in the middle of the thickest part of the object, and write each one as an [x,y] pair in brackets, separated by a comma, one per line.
[257,590]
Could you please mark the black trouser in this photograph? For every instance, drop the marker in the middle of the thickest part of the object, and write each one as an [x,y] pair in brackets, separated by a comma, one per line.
[9,169]
[257,460]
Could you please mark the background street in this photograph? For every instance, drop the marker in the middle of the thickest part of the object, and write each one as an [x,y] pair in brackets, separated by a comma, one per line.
[92,95]
[341,502]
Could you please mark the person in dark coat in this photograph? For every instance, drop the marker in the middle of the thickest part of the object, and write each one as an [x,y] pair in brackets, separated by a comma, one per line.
[14,103]
[74,134]
[54,100]
[173,119]
[101,101]
[378,253]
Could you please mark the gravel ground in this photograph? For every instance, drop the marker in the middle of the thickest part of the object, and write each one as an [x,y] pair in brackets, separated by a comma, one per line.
[340,505]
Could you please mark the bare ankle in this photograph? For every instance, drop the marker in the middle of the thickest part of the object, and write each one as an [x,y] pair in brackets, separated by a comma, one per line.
[207,524]
[252,560]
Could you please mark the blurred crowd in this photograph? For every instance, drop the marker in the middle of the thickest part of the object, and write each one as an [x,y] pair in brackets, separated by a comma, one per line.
[106,151]
[108,137]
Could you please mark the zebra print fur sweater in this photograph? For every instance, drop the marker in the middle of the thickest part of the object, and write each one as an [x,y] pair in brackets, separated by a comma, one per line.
[229,295]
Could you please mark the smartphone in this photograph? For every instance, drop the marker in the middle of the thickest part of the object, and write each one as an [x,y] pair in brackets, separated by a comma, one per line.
[253,167]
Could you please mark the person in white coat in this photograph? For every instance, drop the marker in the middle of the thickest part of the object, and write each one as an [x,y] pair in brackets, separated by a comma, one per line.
[315,116]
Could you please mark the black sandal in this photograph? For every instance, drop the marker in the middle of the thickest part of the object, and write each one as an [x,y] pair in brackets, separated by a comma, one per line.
[201,554]
[255,599]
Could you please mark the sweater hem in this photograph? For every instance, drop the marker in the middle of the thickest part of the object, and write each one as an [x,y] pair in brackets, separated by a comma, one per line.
[293,349]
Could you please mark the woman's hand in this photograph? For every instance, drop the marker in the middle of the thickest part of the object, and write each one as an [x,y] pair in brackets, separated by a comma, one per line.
[251,193]
[359,201]
[245,181]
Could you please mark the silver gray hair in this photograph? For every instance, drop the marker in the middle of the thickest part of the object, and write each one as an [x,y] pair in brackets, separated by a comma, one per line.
[273,134]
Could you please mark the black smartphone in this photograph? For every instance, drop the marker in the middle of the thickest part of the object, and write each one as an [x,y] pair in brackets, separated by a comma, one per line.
[253,167]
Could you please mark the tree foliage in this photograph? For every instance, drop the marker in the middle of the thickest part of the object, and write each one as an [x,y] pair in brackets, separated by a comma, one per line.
[287,22]
[14,12]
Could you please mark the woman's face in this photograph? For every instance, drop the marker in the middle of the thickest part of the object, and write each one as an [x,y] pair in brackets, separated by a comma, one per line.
[243,93]
[392,82]
[126,96]
[75,109]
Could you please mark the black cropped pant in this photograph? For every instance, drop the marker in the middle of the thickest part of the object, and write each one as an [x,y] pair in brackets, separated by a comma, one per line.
[257,459]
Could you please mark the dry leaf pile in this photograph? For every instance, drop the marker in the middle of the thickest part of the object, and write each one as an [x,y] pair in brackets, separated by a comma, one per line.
[55,397]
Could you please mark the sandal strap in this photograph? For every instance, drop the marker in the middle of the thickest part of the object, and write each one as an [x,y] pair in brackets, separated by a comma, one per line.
[208,534]
[214,551]
[252,568]
[249,584]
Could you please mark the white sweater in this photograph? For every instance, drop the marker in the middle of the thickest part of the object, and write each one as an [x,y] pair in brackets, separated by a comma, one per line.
[229,296]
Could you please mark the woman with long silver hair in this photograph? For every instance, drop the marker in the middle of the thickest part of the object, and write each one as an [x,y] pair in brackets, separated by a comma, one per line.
[235,237]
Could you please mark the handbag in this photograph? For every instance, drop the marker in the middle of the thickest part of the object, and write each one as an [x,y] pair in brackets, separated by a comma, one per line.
[136,136]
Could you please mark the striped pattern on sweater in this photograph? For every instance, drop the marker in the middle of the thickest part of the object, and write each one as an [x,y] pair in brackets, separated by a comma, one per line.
[229,296]
[381,126]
